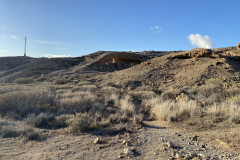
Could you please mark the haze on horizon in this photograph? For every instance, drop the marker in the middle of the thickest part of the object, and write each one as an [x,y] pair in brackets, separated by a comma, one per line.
[76,28]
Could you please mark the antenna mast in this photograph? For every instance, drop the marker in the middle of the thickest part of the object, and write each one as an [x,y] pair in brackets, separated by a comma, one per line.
[25,47]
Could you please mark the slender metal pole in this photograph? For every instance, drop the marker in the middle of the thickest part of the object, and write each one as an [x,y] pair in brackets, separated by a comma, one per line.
[25,48]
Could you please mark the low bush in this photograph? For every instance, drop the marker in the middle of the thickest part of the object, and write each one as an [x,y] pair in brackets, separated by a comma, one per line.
[23,81]
[173,110]
[61,81]
[235,118]
[43,120]
[81,102]
[7,132]
[127,106]
[30,134]
[62,120]
[79,123]
[23,103]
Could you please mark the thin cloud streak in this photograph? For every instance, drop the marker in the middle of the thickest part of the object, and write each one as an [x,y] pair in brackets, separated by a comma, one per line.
[50,42]
[14,37]
[5,28]
[55,56]
[4,51]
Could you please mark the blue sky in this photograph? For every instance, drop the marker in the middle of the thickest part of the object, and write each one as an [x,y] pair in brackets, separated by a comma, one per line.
[80,27]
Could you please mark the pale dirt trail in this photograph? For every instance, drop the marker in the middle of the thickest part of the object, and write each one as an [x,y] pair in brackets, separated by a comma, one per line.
[150,142]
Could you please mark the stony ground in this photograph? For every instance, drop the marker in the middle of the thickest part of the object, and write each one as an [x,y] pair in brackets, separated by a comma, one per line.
[156,140]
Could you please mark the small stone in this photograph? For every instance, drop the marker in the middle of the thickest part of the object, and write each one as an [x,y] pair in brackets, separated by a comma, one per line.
[178,155]
[202,155]
[118,136]
[124,142]
[194,138]
[120,156]
[193,154]
[202,145]
[187,157]
[163,149]
[96,141]
[196,158]
[169,144]
[128,151]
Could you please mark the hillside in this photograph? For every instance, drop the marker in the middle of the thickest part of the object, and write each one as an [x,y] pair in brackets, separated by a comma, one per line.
[122,105]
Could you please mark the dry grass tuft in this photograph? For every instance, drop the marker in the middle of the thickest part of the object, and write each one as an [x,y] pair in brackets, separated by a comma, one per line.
[172,110]
[23,103]
[23,80]
[127,106]
[79,123]
[43,120]
[80,102]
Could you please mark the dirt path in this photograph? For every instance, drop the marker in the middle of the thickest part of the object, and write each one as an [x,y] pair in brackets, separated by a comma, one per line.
[155,141]
[159,141]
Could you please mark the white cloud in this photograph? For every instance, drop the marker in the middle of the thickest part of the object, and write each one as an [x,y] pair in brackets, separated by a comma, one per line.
[201,41]
[156,29]
[50,42]
[14,37]
[4,51]
[55,56]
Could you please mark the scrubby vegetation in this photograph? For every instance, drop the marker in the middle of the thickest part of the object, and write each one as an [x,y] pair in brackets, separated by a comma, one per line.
[80,109]
[62,107]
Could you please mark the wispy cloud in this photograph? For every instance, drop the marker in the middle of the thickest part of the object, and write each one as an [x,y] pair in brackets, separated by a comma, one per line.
[55,56]
[201,41]
[3,51]
[157,29]
[9,36]
[5,28]
[50,42]
[14,37]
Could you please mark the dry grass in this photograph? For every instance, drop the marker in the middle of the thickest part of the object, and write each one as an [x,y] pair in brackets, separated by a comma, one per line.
[23,80]
[27,134]
[23,103]
[172,110]
[127,106]
[142,94]
[61,81]
[226,110]
[79,123]
[80,102]
[43,120]
[110,89]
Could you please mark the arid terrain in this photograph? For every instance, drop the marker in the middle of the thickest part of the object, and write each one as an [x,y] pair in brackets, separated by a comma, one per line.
[122,105]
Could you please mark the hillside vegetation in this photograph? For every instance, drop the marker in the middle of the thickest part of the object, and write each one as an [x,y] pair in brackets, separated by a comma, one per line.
[110,93]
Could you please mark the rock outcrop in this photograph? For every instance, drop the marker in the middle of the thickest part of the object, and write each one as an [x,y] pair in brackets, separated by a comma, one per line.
[196,53]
